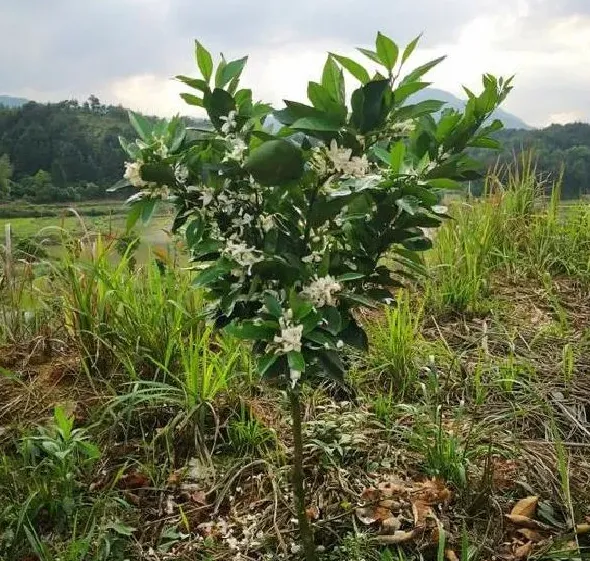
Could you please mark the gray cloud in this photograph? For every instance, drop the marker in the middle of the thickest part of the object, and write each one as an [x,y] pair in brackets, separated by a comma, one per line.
[77,46]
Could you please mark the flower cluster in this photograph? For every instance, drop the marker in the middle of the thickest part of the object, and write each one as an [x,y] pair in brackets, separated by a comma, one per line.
[343,163]
[133,175]
[290,337]
[322,291]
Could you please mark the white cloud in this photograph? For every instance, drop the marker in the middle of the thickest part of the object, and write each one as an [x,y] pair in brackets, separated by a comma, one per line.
[126,50]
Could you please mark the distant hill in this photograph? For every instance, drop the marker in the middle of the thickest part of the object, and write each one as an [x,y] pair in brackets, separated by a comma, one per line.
[510,121]
[9,101]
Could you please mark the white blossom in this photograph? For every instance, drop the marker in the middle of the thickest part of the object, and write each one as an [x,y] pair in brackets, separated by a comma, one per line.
[342,161]
[207,196]
[314,257]
[290,338]
[405,127]
[181,173]
[236,147]
[133,174]
[242,254]
[322,291]
[294,376]
[229,122]
[267,222]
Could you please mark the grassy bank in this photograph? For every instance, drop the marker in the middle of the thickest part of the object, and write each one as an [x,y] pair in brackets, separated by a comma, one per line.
[130,430]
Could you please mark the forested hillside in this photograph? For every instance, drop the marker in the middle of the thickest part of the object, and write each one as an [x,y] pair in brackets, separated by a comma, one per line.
[554,147]
[59,152]
[70,151]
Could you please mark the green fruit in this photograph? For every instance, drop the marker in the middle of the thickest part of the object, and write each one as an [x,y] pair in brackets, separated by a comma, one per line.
[275,162]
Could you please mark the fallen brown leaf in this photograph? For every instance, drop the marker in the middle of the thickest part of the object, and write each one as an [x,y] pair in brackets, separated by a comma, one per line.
[531,535]
[582,529]
[398,537]
[432,491]
[421,511]
[523,551]
[526,507]
[391,525]
[199,497]
[525,522]
[370,515]
[390,489]
[391,505]
[312,512]
[371,495]
[451,555]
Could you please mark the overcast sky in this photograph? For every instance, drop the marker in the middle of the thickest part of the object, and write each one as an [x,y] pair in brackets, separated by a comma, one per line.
[126,51]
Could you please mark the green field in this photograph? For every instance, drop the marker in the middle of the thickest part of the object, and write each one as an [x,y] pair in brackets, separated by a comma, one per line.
[79,219]
[469,408]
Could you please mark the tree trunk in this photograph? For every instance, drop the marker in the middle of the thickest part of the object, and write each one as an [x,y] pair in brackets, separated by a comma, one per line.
[305,530]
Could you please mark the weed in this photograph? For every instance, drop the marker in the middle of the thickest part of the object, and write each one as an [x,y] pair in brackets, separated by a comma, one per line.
[395,344]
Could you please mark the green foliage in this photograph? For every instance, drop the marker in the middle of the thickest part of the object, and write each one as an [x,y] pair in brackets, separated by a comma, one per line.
[304,216]
[63,151]
[395,344]
[45,481]
[557,148]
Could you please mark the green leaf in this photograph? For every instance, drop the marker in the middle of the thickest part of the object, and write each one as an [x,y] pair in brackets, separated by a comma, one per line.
[485,142]
[333,80]
[358,299]
[370,54]
[417,244]
[248,330]
[161,174]
[444,183]
[403,92]
[273,306]
[192,99]
[387,51]
[195,83]
[411,46]
[204,61]
[397,157]
[333,364]
[417,73]
[322,100]
[333,320]
[275,162]
[368,105]
[296,361]
[218,105]
[147,210]
[323,123]
[322,338]
[141,125]
[232,70]
[211,274]
[350,276]
[355,336]
[133,215]
[141,209]
[120,528]
[265,362]
[301,308]
[425,107]
[219,72]
[408,204]
[357,70]
[121,184]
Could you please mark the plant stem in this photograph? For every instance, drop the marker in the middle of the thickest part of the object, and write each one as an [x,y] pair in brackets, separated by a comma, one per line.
[305,530]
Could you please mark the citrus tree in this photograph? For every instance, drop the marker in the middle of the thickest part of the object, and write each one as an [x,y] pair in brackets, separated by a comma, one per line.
[288,214]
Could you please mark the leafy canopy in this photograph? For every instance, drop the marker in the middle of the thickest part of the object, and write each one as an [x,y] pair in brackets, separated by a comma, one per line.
[288,226]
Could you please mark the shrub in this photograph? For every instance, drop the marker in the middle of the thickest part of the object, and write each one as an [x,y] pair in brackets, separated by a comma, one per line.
[289,227]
